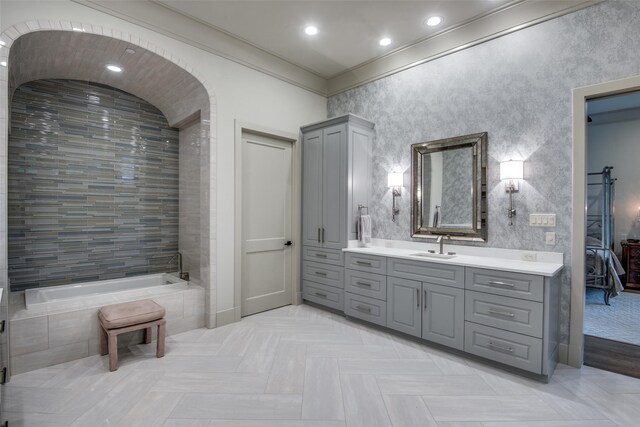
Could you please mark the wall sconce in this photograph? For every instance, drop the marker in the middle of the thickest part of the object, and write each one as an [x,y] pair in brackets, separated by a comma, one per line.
[511,170]
[395,181]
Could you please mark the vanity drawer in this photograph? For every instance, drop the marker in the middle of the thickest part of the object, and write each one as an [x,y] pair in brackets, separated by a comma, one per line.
[515,315]
[324,295]
[367,284]
[422,271]
[327,256]
[517,285]
[323,273]
[512,349]
[365,308]
[368,263]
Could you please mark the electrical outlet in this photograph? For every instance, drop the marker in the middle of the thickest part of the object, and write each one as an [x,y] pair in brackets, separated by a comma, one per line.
[529,256]
[550,238]
[542,220]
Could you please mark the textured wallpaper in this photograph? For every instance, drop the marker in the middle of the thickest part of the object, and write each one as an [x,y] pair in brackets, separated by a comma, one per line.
[93,185]
[518,89]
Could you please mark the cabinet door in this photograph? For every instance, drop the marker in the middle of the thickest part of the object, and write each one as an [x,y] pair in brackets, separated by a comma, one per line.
[443,315]
[404,305]
[334,186]
[312,188]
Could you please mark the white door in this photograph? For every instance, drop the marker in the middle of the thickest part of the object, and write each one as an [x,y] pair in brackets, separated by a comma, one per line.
[267,255]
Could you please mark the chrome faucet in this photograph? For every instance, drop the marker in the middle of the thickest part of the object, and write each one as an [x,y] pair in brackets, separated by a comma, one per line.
[183,275]
[440,240]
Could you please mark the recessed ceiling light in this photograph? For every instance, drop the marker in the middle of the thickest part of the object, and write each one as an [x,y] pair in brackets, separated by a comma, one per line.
[433,21]
[3,63]
[79,29]
[386,41]
[311,30]
[114,68]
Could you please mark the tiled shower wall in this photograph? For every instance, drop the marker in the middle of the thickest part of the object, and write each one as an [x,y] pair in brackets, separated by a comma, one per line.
[93,185]
[189,226]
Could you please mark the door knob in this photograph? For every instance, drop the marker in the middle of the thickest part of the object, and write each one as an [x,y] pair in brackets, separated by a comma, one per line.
[288,243]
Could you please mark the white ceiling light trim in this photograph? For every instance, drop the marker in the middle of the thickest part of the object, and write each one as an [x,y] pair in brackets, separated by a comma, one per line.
[385,41]
[114,68]
[311,30]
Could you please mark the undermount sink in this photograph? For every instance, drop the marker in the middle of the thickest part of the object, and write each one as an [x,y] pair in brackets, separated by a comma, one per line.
[434,255]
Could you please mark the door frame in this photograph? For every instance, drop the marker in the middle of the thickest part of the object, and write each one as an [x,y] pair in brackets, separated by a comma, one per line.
[245,127]
[579,191]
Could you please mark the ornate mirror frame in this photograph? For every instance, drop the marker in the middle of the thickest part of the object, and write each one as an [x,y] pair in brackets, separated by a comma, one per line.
[478,230]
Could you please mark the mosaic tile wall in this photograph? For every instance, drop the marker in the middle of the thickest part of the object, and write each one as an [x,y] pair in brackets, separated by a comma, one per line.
[93,185]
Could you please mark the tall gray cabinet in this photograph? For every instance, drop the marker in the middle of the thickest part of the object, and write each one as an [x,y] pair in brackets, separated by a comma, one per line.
[336,177]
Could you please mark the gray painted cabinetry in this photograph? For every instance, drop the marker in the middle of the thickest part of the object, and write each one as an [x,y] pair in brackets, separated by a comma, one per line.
[336,173]
[510,318]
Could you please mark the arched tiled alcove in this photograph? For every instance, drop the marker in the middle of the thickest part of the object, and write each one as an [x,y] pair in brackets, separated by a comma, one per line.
[53,50]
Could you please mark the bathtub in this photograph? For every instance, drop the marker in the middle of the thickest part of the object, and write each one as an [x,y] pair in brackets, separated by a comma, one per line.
[44,296]
[58,324]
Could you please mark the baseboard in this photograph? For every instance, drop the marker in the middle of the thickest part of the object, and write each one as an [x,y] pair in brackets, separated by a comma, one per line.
[226,317]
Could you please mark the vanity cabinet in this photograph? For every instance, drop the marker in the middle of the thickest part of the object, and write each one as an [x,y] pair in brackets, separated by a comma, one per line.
[507,317]
[427,310]
[336,174]
[512,318]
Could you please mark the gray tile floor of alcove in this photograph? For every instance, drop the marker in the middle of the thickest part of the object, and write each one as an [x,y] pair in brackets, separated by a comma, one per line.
[619,321]
[300,366]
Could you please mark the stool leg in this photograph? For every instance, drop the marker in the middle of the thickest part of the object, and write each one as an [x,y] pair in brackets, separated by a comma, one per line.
[103,342]
[147,335]
[161,334]
[113,352]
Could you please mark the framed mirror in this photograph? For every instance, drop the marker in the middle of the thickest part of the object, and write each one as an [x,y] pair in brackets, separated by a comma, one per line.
[449,191]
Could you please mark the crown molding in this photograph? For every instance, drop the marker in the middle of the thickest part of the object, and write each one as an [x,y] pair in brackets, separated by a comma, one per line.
[165,21]
[169,22]
[497,24]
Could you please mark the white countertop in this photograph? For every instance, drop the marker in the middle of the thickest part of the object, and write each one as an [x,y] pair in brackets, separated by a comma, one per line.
[550,267]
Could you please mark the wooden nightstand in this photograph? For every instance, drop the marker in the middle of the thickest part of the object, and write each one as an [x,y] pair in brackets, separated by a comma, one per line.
[631,264]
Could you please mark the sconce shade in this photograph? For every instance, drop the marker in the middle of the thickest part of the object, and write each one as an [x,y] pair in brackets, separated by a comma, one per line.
[512,169]
[395,179]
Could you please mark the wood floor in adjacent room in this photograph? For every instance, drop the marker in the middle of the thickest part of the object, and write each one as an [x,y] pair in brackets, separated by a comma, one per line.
[301,366]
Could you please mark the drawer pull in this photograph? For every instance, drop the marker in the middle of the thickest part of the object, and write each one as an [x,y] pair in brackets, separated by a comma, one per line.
[320,273]
[365,309]
[368,285]
[496,283]
[501,313]
[320,294]
[500,348]
[321,256]
[2,326]
[417,298]
[367,263]
[4,375]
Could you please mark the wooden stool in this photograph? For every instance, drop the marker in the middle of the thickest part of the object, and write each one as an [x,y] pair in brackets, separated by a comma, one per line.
[131,316]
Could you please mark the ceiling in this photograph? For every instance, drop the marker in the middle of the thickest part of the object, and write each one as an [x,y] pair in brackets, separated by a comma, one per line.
[349,31]
[82,56]
[615,108]
[268,36]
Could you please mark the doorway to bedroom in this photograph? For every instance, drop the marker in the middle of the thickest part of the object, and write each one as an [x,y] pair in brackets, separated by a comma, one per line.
[612,297]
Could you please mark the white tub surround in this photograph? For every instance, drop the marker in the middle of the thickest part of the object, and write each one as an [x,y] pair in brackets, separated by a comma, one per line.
[500,305]
[58,331]
[546,264]
[59,296]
